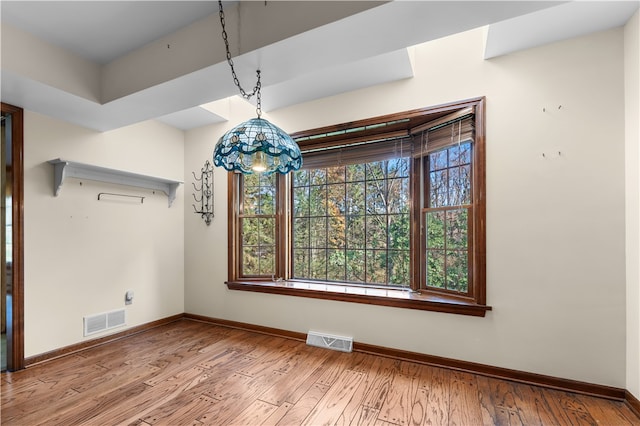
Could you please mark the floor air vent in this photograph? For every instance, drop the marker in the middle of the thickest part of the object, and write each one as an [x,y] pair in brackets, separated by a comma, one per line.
[104,321]
[338,343]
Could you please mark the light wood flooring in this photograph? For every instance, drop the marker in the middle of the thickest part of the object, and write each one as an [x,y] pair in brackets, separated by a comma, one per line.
[193,373]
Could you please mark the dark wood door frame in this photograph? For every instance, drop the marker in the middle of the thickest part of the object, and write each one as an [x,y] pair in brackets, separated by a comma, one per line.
[15,320]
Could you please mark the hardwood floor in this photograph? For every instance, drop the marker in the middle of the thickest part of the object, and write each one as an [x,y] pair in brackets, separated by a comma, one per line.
[193,373]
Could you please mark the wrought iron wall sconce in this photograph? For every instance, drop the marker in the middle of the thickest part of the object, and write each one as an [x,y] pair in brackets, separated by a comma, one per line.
[206,192]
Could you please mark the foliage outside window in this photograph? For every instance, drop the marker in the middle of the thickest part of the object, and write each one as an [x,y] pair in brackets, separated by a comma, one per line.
[387,211]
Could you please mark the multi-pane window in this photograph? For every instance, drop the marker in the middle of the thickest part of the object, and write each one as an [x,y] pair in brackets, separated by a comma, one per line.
[351,223]
[391,203]
[447,218]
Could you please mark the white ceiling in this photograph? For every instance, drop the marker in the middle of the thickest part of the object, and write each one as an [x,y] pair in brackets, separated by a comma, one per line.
[351,52]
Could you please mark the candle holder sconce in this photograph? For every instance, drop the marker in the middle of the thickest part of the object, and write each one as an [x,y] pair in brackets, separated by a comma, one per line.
[205,181]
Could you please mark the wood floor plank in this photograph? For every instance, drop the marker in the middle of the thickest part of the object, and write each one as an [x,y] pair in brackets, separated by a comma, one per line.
[277,415]
[254,414]
[607,412]
[464,405]
[332,404]
[381,382]
[532,407]
[194,373]
[438,383]
[365,416]
[492,413]
[399,401]
[363,364]
[307,402]
[333,371]
[298,383]
[233,402]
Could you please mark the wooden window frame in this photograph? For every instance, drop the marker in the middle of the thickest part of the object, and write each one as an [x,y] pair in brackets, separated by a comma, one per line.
[473,303]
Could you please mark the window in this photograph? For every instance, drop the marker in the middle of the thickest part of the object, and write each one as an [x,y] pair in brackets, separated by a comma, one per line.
[385,211]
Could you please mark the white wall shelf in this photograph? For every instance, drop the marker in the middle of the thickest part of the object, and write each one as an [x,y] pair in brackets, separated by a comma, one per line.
[70,169]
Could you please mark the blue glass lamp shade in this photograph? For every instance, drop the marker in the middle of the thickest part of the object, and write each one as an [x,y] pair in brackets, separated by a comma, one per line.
[257,146]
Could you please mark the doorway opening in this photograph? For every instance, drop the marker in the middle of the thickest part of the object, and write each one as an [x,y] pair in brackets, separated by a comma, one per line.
[11,221]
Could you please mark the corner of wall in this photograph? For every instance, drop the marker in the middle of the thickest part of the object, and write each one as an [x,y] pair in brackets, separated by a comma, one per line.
[632,200]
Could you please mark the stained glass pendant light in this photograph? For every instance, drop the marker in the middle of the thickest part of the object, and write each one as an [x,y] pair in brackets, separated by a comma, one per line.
[255,146]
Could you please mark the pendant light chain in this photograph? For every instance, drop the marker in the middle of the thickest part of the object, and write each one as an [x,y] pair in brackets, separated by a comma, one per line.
[256,89]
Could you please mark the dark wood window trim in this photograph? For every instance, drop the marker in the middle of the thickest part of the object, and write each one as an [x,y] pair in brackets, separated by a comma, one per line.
[474,303]
[15,330]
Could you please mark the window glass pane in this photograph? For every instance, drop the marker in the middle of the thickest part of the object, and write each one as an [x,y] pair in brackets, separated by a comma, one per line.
[251,200]
[459,185]
[258,196]
[376,170]
[336,265]
[399,231]
[317,176]
[258,261]
[355,172]
[355,198]
[266,231]
[355,266]
[301,178]
[337,231]
[267,200]
[318,200]
[438,160]
[399,268]
[457,270]
[460,155]
[335,174]
[318,268]
[435,269]
[318,231]
[438,188]
[301,232]
[300,263]
[376,266]
[250,263]
[398,167]
[435,229]
[375,201]
[465,184]
[267,260]
[398,195]
[251,180]
[301,201]
[355,232]
[250,231]
[457,228]
[336,198]
[376,231]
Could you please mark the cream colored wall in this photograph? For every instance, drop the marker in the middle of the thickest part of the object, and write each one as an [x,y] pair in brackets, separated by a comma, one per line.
[81,254]
[632,197]
[555,224]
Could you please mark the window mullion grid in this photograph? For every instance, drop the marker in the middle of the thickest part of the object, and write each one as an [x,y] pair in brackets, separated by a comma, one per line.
[385,191]
[326,224]
[344,203]
[308,215]
[366,231]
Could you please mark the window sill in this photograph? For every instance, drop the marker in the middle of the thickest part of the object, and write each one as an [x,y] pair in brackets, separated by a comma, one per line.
[366,295]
